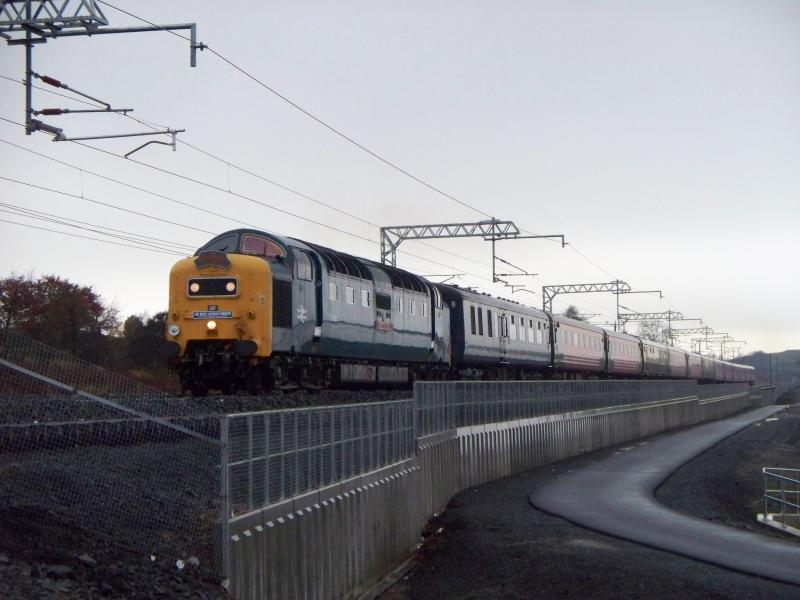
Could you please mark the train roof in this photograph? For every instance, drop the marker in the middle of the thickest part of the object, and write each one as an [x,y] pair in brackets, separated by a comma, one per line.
[621,335]
[339,262]
[577,323]
[453,291]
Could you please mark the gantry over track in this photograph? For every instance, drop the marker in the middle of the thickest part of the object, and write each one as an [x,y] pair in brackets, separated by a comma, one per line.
[491,230]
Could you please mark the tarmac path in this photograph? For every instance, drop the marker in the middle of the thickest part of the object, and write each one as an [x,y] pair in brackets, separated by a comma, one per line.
[616,496]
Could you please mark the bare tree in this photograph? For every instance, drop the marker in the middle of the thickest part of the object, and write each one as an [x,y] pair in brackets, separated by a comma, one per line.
[651,330]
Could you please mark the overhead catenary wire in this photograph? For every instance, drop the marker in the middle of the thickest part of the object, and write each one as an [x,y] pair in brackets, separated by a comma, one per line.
[312,116]
[75,235]
[62,220]
[205,184]
[331,128]
[231,164]
[133,238]
[337,131]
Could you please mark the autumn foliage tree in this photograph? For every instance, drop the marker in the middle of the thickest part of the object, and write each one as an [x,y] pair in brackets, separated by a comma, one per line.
[59,313]
[143,335]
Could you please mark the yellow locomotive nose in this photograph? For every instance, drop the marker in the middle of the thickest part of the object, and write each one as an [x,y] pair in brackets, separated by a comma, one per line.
[225,299]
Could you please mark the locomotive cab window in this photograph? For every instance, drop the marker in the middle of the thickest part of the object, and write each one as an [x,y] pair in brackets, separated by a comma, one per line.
[226,243]
[259,246]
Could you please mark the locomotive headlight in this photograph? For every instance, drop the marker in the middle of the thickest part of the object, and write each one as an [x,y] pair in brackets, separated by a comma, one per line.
[212,325]
[230,286]
[174,330]
[194,288]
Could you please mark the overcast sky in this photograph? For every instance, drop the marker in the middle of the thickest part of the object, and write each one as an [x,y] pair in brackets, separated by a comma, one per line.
[662,139]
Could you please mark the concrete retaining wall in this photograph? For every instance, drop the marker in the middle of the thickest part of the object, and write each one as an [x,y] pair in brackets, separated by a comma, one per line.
[334,544]
[339,542]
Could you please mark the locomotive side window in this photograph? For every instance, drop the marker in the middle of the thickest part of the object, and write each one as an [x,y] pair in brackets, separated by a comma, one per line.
[398,302]
[472,319]
[366,298]
[489,323]
[302,266]
[480,321]
[333,292]
[424,308]
[350,295]
[412,308]
[259,246]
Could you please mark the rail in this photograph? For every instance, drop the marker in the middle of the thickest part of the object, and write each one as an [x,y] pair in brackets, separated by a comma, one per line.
[782,492]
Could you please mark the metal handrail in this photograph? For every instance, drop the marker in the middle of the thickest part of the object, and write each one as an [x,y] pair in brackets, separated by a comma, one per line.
[780,475]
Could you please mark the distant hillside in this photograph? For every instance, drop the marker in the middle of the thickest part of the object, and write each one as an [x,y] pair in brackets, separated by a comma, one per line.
[781,369]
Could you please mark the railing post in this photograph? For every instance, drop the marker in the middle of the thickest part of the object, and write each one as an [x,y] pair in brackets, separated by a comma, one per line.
[225,497]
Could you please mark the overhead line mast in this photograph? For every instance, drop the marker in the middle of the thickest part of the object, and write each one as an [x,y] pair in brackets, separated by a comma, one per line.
[30,22]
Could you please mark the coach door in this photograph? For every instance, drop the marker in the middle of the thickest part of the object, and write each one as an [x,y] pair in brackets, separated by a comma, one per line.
[502,334]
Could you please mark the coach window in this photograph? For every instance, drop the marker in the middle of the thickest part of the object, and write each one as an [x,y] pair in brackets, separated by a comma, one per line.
[480,321]
[366,298]
[489,323]
[333,292]
[472,319]
[383,302]
[350,295]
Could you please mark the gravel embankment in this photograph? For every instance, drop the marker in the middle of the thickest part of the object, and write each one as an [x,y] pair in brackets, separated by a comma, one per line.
[43,407]
[134,511]
[493,544]
[112,520]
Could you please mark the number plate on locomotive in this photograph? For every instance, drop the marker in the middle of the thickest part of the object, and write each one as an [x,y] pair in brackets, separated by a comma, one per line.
[212,314]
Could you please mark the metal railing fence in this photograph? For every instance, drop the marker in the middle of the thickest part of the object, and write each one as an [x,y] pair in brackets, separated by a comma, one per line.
[96,455]
[719,390]
[782,495]
[280,454]
[447,405]
[115,393]
[101,459]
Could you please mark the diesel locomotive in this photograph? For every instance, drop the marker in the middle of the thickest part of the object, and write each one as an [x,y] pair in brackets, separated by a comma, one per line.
[253,311]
